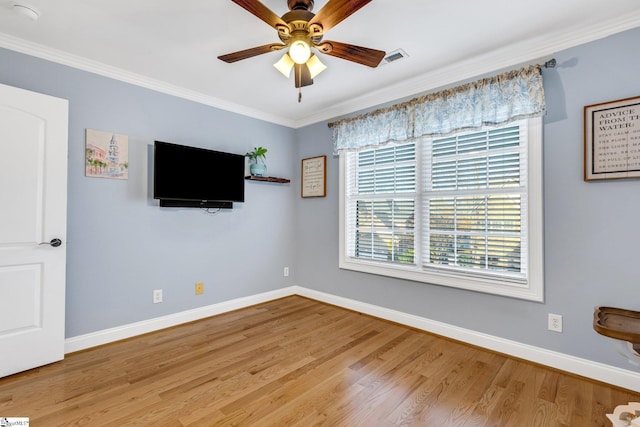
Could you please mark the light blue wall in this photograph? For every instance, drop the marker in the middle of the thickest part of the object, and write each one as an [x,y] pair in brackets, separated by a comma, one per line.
[121,246]
[591,229]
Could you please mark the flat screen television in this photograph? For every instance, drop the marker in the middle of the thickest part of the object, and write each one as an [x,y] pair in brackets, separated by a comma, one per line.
[196,177]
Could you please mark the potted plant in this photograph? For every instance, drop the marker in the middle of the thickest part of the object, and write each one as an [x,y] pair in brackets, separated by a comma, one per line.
[256,159]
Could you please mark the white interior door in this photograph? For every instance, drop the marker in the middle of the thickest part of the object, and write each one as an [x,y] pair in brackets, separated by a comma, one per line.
[33,206]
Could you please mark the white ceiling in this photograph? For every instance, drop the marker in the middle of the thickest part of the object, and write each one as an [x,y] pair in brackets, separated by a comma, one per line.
[172,46]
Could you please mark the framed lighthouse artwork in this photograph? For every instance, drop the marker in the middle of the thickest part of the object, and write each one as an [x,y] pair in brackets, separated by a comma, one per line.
[106,155]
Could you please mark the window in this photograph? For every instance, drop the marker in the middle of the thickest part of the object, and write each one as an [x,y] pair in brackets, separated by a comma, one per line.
[463,210]
[384,211]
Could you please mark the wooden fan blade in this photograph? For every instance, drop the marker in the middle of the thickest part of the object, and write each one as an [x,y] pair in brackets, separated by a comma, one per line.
[261,11]
[350,52]
[303,76]
[248,53]
[335,11]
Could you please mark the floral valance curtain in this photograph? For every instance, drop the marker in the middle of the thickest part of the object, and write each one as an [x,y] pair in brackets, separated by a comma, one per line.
[513,95]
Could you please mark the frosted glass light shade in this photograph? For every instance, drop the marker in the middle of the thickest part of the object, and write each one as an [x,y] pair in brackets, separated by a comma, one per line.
[299,51]
[285,65]
[315,66]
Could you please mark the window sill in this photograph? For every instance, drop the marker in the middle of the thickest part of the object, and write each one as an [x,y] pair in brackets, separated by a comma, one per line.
[531,292]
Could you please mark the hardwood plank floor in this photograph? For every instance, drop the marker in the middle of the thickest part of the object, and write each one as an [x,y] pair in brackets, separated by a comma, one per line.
[298,362]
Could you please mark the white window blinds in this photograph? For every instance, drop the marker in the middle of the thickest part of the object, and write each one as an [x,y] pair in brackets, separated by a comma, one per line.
[463,210]
[382,204]
[475,201]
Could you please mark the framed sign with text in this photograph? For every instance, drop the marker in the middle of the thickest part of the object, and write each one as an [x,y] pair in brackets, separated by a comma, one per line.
[612,140]
[314,177]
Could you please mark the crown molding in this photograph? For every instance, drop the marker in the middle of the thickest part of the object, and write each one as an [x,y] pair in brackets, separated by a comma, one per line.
[519,53]
[544,46]
[74,61]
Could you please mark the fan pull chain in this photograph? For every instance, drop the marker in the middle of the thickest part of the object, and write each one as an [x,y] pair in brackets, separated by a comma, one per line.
[300,86]
[299,95]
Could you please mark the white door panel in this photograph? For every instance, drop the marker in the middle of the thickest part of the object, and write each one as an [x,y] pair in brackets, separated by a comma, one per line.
[22,219]
[24,311]
[33,182]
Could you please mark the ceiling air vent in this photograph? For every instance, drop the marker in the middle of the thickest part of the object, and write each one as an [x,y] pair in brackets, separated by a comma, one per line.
[394,56]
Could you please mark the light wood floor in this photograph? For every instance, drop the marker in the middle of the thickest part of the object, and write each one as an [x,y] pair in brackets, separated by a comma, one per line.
[299,362]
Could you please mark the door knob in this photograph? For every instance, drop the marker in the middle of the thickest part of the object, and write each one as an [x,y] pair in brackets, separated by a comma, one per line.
[54,242]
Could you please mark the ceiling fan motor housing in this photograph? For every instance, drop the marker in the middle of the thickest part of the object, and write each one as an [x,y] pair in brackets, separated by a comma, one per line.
[298,22]
[300,5]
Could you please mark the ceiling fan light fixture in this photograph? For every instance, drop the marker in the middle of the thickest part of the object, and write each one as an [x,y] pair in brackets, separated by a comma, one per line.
[300,31]
[26,11]
[285,65]
[300,51]
[315,66]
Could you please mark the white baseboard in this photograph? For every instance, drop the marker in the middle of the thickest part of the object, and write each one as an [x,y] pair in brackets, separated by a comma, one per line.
[583,367]
[105,336]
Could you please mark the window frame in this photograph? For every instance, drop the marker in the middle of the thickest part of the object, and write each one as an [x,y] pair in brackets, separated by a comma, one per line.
[531,289]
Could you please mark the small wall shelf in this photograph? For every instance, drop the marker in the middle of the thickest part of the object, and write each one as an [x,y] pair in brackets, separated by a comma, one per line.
[267,179]
[621,324]
[617,323]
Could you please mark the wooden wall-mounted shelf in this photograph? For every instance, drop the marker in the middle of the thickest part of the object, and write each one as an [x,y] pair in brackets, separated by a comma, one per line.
[619,324]
[267,179]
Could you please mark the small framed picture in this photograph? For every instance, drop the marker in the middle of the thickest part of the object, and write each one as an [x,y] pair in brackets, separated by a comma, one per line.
[612,140]
[314,177]
[106,155]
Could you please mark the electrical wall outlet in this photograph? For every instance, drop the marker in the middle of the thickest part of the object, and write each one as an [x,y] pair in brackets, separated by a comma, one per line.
[555,322]
[157,296]
[199,288]
[286,272]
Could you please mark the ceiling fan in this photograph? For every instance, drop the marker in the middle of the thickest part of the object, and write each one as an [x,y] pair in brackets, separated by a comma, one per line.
[300,30]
